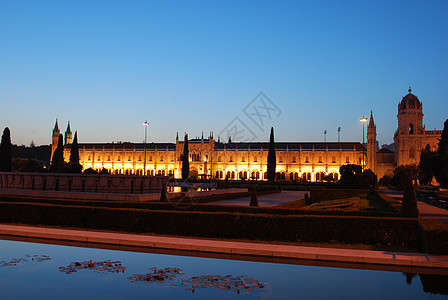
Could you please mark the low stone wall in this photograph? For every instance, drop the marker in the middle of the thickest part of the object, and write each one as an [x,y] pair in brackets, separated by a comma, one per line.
[88,183]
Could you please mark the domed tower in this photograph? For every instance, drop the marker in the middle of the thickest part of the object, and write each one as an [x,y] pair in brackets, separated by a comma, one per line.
[54,138]
[409,136]
[371,144]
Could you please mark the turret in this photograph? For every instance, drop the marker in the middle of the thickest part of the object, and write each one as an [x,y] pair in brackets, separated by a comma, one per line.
[68,135]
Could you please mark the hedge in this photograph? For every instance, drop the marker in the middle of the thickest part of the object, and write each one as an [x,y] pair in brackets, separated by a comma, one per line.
[196,207]
[287,228]
[433,236]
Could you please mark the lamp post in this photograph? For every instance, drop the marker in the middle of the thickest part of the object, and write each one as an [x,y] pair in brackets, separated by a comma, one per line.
[363,120]
[146,130]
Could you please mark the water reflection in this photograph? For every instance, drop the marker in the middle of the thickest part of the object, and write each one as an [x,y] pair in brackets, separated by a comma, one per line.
[434,284]
[189,277]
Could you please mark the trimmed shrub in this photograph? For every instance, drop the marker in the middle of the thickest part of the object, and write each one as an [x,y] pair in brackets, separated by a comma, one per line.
[433,236]
[287,228]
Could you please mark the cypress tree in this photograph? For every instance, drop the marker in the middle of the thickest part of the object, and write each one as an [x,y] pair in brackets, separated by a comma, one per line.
[57,161]
[74,151]
[6,151]
[271,158]
[254,197]
[73,166]
[163,194]
[409,207]
[185,161]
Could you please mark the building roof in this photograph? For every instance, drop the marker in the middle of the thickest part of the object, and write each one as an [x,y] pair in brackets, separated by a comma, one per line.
[385,151]
[230,146]
[410,101]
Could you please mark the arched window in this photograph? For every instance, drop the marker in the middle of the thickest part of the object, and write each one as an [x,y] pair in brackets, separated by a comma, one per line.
[293,159]
[161,158]
[129,158]
[333,159]
[119,158]
[291,176]
[281,159]
[347,160]
[231,158]
[150,158]
[411,129]
[265,175]
[307,159]
[320,159]
[255,159]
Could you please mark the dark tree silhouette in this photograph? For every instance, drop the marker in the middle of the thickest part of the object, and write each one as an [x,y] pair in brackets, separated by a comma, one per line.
[74,151]
[441,169]
[74,166]
[409,206]
[185,161]
[350,174]
[271,158]
[427,165]
[402,173]
[6,151]
[57,162]
[254,197]
[163,194]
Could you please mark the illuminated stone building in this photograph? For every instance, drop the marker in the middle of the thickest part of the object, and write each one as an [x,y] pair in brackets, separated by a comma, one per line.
[295,160]
[217,160]
[409,139]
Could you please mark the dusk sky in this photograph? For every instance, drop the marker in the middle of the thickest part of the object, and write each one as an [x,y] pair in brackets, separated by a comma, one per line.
[194,66]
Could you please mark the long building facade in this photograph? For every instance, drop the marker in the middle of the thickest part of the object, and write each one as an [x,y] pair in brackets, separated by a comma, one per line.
[212,159]
[310,161]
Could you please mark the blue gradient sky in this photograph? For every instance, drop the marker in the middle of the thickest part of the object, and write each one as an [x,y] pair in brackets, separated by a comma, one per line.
[193,66]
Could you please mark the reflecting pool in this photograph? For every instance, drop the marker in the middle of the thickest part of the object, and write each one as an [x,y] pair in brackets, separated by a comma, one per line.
[44,271]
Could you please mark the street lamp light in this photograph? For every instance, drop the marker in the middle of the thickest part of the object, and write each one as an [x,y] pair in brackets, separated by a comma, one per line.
[363,120]
[146,130]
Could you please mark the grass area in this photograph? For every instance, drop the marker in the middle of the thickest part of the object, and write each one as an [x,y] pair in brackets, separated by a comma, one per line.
[355,203]
[293,204]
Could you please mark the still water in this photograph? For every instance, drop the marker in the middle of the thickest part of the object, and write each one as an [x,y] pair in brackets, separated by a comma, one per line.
[43,271]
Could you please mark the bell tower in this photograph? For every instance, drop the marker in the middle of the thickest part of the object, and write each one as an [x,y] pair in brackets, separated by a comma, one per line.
[371,144]
[409,136]
[54,138]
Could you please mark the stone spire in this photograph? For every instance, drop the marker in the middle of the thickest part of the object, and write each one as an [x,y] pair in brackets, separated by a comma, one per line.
[68,134]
